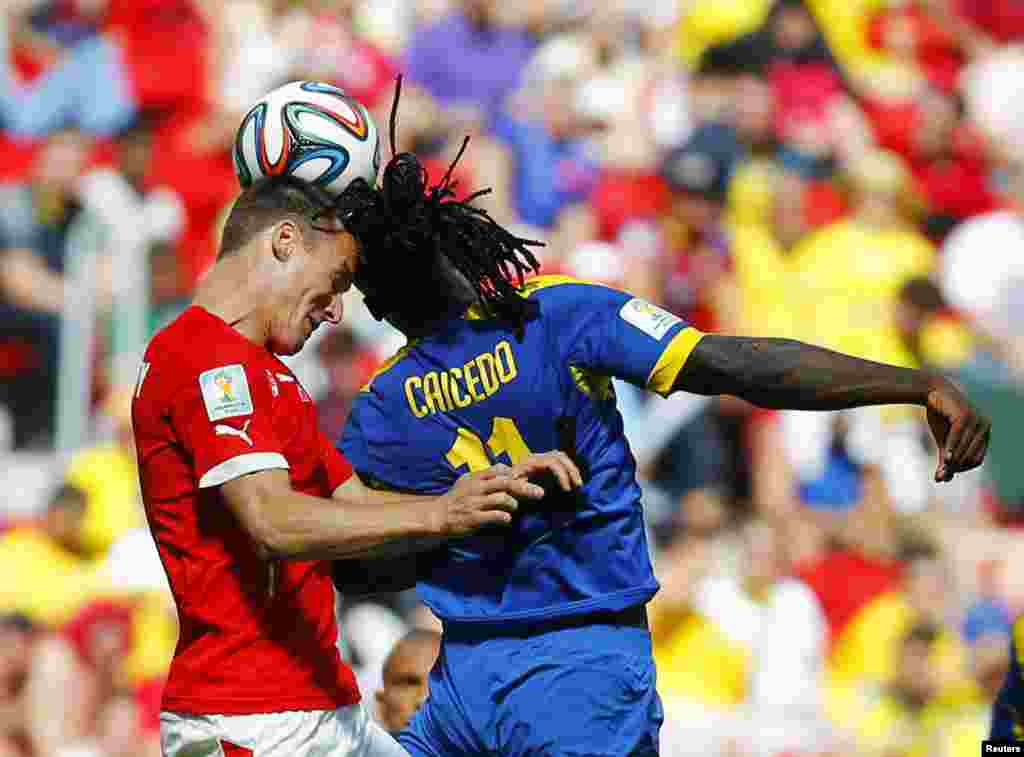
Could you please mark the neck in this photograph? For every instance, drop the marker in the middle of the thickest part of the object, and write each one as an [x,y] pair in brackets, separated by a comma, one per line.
[231,291]
[414,328]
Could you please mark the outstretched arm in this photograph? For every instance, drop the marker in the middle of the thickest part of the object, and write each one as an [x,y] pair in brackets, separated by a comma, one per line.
[787,374]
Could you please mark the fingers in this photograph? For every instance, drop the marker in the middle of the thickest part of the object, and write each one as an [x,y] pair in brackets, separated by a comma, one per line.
[976,447]
[517,487]
[499,501]
[562,474]
[495,471]
[973,428]
[984,448]
[969,449]
[972,458]
[486,518]
[956,432]
[560,471]
[557,463]
[574,472]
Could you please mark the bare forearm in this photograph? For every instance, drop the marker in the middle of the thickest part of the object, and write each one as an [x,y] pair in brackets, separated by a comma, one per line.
[355,530]
[355,523]
[787,374]
[377,495]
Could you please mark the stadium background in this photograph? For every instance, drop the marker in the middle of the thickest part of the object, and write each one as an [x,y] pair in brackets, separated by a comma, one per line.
[848,172]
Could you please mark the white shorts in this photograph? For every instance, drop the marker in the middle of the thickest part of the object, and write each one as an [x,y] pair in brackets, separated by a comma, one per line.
[345,732]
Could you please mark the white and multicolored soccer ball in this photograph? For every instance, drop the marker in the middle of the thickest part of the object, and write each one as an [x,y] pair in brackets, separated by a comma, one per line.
[312,131]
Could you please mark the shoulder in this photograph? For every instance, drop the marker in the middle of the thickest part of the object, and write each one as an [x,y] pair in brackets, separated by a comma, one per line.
[555,291]
[389,371]
[192,348]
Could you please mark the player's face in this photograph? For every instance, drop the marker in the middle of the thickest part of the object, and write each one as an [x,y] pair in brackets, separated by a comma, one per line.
[312,277]
[405,684]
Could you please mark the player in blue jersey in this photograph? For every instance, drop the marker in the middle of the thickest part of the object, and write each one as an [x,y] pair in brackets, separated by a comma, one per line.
[545,647]
[1008,712]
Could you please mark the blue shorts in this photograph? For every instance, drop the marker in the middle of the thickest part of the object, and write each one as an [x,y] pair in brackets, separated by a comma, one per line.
[577,691]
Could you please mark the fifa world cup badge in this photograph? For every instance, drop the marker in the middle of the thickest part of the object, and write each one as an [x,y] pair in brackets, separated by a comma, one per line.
[650,319]
[225,392]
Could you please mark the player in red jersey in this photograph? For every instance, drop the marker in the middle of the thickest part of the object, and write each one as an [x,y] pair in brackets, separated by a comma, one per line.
[246,499]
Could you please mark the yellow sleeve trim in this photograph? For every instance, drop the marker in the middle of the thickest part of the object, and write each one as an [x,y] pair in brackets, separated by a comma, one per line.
[672,361]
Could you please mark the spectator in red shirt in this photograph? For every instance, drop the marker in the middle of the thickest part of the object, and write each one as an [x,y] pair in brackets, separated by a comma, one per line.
[949,165]
[946,156]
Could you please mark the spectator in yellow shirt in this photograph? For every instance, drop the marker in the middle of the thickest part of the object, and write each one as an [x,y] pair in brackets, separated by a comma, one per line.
[846,279]
[962,729]
[871,652]
[851,272]
[44,574]
[903,719]
[108,475]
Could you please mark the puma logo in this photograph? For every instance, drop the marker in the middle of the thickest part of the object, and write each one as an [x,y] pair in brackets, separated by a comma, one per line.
[221,430]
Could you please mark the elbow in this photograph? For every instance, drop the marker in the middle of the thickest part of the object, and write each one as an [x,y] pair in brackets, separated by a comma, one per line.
[270,545]
[271,540]
[274,543]
[261,506]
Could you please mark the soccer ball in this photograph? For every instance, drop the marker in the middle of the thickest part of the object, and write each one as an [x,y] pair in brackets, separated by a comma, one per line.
[312,131]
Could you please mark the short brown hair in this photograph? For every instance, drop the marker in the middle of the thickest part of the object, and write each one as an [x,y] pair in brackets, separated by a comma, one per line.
[267,202]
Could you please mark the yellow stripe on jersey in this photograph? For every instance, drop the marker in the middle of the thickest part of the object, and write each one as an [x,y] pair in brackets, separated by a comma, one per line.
[672,360]
[476,312]
[592,384]
[543,282]
[389,364]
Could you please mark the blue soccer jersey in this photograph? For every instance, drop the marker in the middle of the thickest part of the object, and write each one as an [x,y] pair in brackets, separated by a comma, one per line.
[1008,713]
[473,394]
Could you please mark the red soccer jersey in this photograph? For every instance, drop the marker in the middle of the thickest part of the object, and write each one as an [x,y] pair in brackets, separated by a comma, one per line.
[211,406]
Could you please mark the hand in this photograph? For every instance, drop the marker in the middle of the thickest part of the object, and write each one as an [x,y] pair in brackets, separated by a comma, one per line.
[960,432]
[485,498]
[543,465]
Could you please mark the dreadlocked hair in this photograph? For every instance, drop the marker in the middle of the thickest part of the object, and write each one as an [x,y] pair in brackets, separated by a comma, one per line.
[407,232]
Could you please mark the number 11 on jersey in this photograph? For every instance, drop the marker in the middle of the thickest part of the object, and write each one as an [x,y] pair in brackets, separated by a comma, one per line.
[470,451]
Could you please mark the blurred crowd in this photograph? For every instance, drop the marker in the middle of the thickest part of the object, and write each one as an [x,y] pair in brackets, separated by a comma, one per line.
[845,172]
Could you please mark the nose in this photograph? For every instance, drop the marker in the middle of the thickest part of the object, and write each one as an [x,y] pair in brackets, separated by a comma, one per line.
[334,311]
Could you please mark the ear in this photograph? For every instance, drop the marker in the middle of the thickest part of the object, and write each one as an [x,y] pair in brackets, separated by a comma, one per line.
[285,239]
